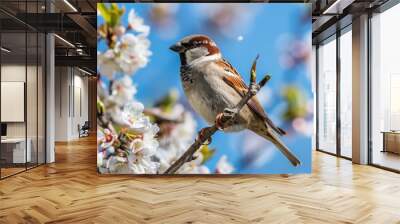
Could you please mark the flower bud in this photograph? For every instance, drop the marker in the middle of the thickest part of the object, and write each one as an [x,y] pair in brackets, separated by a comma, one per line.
[119,30]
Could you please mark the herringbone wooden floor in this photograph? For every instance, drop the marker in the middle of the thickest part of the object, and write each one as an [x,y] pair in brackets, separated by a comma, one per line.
[70,191]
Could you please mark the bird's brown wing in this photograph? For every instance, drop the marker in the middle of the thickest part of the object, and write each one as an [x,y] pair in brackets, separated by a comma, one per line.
[236,82]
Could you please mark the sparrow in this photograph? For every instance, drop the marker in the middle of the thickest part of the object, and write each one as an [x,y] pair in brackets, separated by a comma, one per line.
[211,84]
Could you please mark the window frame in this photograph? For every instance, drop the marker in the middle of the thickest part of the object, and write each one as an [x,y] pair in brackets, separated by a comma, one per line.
[334,37]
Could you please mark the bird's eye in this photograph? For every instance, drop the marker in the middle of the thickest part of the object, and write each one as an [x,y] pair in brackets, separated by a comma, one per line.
[186,44]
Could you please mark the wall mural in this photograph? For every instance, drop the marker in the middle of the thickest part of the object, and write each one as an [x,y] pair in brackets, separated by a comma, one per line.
[204,88]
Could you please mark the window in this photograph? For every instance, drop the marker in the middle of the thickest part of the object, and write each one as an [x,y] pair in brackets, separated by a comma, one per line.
[385,89]
[346,93]
[22,77]
[327,96]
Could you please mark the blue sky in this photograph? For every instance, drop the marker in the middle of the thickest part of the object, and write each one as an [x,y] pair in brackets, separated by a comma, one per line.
[258,28]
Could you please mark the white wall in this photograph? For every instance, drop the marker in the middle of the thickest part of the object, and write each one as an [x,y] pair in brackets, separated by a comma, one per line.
[80,102]
[61,105]
[71,94]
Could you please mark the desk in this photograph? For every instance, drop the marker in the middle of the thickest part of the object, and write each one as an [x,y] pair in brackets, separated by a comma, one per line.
[13,150]
[391,141]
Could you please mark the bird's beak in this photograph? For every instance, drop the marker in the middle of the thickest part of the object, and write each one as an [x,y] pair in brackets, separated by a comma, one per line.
[177,47]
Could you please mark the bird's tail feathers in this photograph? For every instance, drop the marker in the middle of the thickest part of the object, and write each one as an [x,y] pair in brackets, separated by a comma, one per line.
[274,138]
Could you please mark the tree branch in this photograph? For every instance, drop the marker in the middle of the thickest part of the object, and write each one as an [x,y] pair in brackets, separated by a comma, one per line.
[226,120]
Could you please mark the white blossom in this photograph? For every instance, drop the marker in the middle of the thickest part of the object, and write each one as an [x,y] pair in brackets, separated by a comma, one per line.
[141,150]
[190,168]
[123,90]
[136,23]
[100,159]
[195,166]
[101,90]
[119,30]
[117,165]
[106,63]
[223,166]
[106,138]
[131,51]
[133,118]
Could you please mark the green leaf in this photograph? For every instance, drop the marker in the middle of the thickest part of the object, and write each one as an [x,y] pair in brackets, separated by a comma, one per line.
[207,153]
[296,103]
[112,14]
[100,107]
[105,13]
[253,70]
[114,6]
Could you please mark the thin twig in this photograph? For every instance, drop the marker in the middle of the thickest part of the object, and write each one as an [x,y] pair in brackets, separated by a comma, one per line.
[226,120]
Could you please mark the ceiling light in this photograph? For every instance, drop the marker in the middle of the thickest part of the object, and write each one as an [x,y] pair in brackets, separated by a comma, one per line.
[84,71]
[79,51]
[5,50]
[65,41]
[337,7]
[329,9]
[70,5]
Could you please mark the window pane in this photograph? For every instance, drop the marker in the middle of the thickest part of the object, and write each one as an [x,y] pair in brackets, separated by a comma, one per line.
[386,89]
[22,87]
[327,97]
[346,93]
[15,150]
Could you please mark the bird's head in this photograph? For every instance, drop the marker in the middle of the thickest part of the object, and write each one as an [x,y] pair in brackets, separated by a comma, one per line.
[195,47]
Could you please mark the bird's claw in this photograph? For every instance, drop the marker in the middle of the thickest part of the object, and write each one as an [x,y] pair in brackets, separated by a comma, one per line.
[193,157]
[254,89]
[224,116]
[229,113]
[218,121]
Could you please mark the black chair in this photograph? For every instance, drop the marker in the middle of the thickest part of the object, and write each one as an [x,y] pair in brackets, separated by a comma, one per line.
[84,130]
